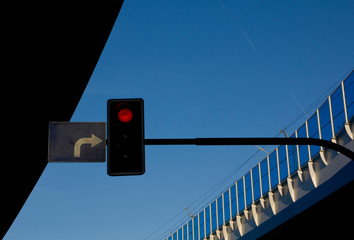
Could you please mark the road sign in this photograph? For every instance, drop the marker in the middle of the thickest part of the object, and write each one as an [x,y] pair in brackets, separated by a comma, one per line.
[77,142]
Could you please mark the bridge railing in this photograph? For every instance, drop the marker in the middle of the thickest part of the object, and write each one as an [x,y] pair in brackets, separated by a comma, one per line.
[333,117]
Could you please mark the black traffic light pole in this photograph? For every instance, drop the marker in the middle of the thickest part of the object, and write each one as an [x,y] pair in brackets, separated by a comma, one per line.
[253,141]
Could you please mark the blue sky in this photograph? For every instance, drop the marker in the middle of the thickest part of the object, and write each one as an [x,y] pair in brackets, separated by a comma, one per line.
[205,68]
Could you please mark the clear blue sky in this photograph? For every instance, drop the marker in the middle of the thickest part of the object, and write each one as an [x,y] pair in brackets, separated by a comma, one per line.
[205,68]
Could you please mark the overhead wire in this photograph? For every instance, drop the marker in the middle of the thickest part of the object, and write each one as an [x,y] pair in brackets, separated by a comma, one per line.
[318,101]
[205,197]
[211,192]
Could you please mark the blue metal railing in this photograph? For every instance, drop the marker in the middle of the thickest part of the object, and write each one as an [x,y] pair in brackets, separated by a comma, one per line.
[326,123]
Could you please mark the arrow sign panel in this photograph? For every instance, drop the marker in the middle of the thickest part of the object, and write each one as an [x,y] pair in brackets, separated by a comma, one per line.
[77,142]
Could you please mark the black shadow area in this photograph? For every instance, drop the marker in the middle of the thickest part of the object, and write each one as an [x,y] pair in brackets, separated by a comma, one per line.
[51,49]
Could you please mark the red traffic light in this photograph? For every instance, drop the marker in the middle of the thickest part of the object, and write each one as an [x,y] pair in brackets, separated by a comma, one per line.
[125,115]
[125,137]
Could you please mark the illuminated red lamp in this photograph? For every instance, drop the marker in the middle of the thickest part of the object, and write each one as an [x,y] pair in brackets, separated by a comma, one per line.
[125,115]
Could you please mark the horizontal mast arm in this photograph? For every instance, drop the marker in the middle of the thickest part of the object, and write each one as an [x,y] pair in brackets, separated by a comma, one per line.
[252,141]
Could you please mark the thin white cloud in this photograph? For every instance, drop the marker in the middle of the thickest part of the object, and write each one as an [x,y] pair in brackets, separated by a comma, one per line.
[244,34]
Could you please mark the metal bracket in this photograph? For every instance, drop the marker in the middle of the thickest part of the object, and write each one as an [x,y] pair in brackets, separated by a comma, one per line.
[240,225]
[348,130]
[272,202]
[291,189]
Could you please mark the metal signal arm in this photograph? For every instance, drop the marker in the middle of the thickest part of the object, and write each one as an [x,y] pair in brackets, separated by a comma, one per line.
[253,141]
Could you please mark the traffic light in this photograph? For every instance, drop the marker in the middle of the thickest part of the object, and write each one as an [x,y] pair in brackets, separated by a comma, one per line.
[125,136]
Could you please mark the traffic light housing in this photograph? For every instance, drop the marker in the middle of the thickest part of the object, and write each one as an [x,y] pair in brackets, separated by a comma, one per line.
[125,137]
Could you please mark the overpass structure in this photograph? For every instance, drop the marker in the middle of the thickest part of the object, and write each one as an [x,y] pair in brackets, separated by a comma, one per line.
[287,181]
